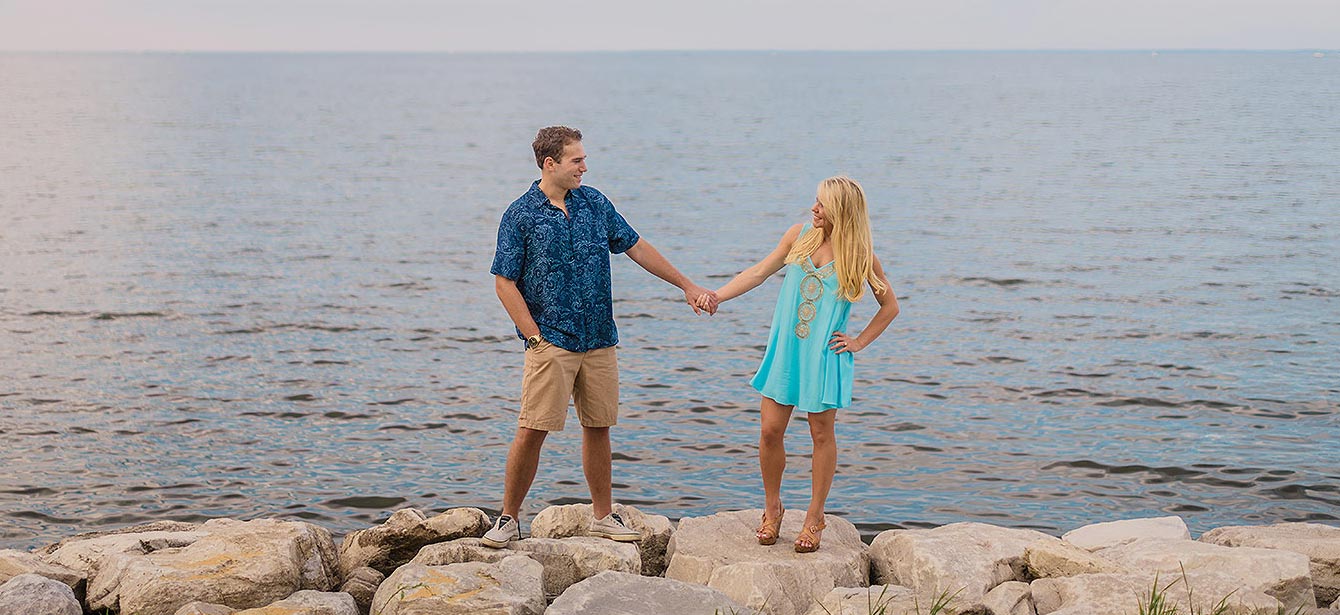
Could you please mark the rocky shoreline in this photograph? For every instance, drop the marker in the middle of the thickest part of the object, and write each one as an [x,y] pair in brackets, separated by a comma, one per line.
[415,564]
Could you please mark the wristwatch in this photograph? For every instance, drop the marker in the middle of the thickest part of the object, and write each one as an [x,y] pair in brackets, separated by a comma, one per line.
[533,341]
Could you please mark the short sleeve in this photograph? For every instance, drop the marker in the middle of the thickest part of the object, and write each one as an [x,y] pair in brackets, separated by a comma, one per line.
[621,236]
[511,250]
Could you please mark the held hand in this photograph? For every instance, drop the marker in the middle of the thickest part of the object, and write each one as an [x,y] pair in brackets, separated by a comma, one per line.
[695,296]
[841,342]
[708,302]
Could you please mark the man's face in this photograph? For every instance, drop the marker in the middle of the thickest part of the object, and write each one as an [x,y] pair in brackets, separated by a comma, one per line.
[568,174]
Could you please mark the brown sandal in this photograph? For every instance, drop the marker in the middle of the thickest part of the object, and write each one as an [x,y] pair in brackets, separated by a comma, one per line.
[769,529]
[810,535]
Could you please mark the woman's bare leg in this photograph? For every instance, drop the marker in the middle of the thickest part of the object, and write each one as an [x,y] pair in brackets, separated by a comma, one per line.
[823,464]
[774,418]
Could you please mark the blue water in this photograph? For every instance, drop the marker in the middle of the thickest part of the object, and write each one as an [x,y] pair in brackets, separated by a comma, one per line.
[257,285]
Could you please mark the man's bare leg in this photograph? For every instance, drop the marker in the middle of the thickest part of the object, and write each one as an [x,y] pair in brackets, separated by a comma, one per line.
[596,465]
[522,461]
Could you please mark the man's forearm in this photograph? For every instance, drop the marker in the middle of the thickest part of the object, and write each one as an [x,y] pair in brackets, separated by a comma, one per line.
[647,257]
[515,304]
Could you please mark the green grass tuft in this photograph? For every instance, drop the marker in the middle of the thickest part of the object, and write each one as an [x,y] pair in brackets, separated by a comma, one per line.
[1157,602]
[879,605]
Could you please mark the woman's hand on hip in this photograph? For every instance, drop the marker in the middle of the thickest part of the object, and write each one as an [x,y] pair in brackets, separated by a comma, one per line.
[841,342]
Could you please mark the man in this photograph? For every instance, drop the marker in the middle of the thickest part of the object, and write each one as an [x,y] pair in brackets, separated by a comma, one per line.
[552,274]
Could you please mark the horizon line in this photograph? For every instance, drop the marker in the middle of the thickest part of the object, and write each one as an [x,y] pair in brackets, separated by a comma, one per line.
[684,50]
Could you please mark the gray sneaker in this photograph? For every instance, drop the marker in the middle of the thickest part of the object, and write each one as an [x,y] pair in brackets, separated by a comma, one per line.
[613,528]
[505,530]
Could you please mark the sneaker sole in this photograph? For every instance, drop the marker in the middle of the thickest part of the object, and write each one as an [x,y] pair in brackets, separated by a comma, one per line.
[618,537]
[488,542]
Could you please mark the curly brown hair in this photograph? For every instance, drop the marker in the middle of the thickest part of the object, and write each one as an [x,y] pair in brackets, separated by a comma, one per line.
[551,140]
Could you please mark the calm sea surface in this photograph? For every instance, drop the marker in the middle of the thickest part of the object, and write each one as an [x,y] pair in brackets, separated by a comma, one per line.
[257,285]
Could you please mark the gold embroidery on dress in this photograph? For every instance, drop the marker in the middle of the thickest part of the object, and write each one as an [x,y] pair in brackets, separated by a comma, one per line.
[811,290]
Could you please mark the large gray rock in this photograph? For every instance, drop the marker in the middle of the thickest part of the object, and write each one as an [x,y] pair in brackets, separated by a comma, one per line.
[362,584]
[1052,557]
[14,563]
[1009,598]
[30,594]
[234,563]
[968,558]
[389,545]
[574,519]
[1113,533]
[720,551]
[84,553]
[155,527]
[891,599]
[1284,575]
[566,561]
[621,593]
[308,602]
[1122,594]
[509,587]
[1320,543]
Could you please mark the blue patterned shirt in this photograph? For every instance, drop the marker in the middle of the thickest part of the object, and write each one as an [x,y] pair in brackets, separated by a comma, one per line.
[561,264]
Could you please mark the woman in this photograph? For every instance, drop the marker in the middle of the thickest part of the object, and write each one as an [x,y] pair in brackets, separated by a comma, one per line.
[808,363]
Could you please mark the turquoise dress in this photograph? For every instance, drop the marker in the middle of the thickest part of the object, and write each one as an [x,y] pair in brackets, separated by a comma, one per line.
[798,368]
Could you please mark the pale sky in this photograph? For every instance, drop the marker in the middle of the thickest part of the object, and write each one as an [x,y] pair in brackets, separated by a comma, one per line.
[600,25]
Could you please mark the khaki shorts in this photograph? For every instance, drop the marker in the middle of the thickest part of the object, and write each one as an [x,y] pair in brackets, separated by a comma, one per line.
[554,376]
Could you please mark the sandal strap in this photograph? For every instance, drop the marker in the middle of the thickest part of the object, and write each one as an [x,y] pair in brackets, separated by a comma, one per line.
[772,528]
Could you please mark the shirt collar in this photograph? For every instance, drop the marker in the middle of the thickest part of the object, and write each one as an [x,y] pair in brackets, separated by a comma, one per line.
[538,197]
[535,195]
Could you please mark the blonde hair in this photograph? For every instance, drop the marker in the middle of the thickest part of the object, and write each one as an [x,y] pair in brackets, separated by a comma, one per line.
[853,249]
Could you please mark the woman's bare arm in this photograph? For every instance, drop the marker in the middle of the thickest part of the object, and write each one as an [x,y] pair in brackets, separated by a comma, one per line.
[755,275]
[888,310]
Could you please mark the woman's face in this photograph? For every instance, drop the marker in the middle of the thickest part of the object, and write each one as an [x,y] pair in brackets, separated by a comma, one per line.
[820,219]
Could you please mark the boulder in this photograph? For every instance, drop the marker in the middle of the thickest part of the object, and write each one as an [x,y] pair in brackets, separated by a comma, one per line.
[1320,543]
[205,608]
[1009,598]
[1123,594]
[565,561]
[1284,575]
[362,584]
[309,602]
[621,593]
[143,528]
[720,551]
[574,519]
[389,545]
[1052,557]
[31,594]
[14,563]
[968,558]
[508,587]
[892,599]
[234,563]
[1113,533]
[84,553]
